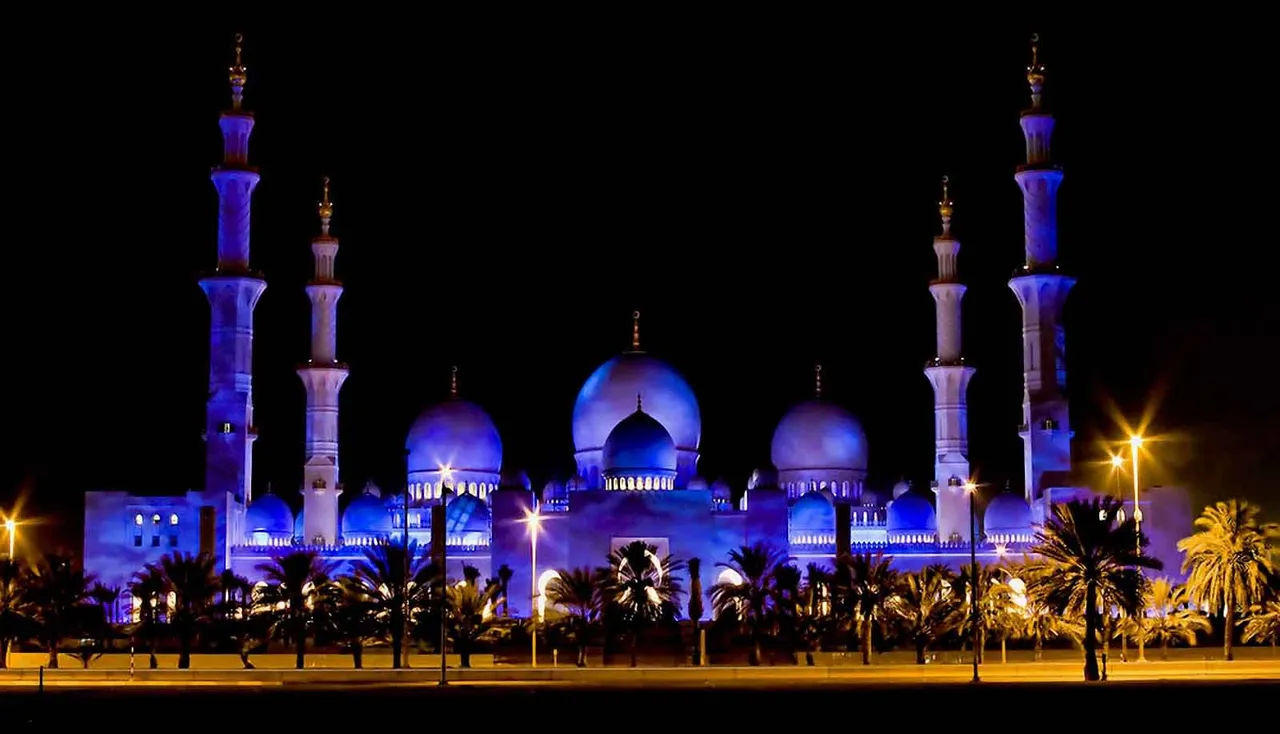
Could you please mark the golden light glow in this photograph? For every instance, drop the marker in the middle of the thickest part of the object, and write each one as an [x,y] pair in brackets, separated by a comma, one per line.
[1135,441]
[971,486]
[1117,461]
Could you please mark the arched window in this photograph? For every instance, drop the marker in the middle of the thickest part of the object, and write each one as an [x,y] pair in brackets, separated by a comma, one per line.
[173,518]
[137,519]
[155,519]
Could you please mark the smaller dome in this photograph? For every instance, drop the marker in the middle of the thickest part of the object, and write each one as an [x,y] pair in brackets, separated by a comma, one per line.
[911,513]
[299,523]
[813,513]
[901,488]
[819,435]
[270,514]
[1007,513]
[721,489]
[456,433]
[766,477]
[697,482]
[466,514]
[515,479]
[639,443]
[366,515]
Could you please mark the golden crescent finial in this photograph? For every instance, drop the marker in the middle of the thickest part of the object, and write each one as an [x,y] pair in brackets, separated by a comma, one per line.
[635,329]
[945,207]
[238,75]
[453,382]
[639,403]
[817,380]
[1035,72]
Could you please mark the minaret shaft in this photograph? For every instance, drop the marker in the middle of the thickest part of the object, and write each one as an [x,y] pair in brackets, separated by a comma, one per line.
[322,377]
[233,291]
[1042,292]
[949,376]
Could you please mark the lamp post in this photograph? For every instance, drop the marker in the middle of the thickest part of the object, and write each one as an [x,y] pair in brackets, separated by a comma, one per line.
[1117,465]
[10,528]
[446,475]
[971,489]
[1135,443]
[534,519]
[404,591]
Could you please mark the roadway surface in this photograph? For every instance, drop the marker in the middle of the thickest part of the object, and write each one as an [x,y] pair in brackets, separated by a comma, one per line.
[758,703]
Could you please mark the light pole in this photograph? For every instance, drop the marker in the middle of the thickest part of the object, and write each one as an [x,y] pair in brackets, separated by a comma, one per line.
[971,489]
[1117,465]
[10,528]
[1135,443]
[534,519]
[404,544]
[445,476]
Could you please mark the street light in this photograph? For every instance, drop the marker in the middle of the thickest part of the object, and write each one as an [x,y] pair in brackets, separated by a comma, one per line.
[534,519]
[446,474]
[1135,443]
[971,489]
[11,529]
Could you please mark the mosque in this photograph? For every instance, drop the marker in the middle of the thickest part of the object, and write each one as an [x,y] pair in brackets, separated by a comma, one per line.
[636,429]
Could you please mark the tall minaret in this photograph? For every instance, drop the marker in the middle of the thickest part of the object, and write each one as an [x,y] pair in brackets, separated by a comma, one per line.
[322,376]
[950,377]
[233,291]
[1042,291]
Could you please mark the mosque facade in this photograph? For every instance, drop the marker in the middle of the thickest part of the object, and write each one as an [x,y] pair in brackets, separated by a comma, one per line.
[637,428]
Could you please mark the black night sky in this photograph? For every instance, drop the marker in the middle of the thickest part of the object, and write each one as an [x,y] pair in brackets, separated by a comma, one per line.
[509,190]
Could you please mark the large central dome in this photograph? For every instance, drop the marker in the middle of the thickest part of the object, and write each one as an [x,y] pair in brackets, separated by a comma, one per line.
[609,396]
[817,434]
[458,434]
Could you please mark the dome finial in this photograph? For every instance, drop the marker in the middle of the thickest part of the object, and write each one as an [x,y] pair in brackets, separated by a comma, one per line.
[453,382]
[639,403]
[326,210]
[817,380]
[238,75]
[1035,72]
[635,330]
[945,207]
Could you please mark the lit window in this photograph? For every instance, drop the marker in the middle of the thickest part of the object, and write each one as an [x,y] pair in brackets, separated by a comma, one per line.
[155,519]
[173,519]
[137,519]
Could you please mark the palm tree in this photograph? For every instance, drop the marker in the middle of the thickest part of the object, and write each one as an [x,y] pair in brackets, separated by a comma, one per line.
[15,607]
[193,581]
[927,606]
[788,605]
[1092,557]
[641,589]
[1170,617]
[863,585]
[1039,621]
[576,592]
[994,602]
[814,610]
[1229,562]
[751,599]
[382,574]
[349,615]
[58,592]
[468,609]
[695,606]
[235,621]
[504,583]
[289,596]
[148,587]
[1263,623]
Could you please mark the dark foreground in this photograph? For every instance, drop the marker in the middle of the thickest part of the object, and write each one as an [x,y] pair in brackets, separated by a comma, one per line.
[302,707]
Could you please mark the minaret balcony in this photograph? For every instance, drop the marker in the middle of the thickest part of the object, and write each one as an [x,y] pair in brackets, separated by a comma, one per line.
[312,364]
[325,281]
[233,272]
[940,362]
[1043,269]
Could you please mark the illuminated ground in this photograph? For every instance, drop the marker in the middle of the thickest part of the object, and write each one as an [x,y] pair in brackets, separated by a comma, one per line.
[1077,706]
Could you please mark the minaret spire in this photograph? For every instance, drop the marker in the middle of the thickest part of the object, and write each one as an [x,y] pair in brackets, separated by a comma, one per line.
[453,382]
[238,75]
[233,290]
[950,378]
[817,381]
[635,331]
[1042,291]
[639,403]
[322,376]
